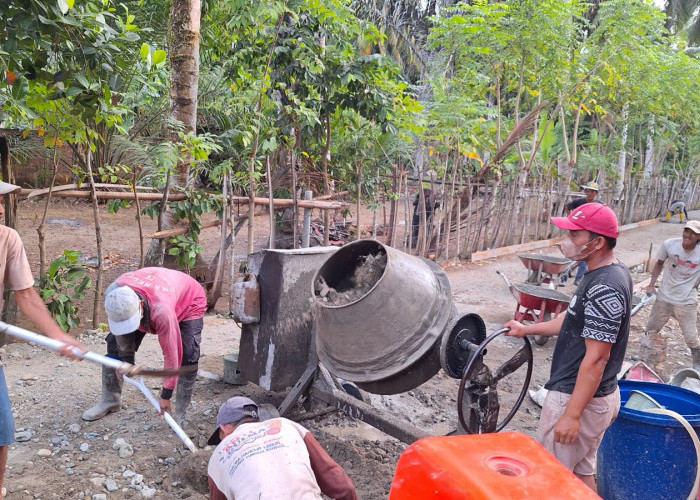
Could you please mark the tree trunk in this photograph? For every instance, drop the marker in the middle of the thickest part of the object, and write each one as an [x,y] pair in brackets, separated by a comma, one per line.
[183,54]
[358,167]
[622,156]
[649,152]
[183,58]
[98,240]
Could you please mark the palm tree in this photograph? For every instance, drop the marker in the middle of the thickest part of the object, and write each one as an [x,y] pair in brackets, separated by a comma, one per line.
[406,24]
[682,18]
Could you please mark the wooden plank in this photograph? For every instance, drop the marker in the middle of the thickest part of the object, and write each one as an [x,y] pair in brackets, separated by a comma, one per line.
[107,195]
[167,233]
[499,252]
[287,203]
[635,225]
[534,245]
[30,193]
[278,203]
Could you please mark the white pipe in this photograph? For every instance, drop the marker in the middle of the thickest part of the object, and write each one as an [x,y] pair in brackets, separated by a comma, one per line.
[168,418]
[45,341]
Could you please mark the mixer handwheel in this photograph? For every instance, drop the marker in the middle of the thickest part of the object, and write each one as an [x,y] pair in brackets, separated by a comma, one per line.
[477,391]
[467,331]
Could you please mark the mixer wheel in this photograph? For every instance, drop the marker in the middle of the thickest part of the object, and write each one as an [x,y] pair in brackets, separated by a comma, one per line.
[454,345]
[477,400]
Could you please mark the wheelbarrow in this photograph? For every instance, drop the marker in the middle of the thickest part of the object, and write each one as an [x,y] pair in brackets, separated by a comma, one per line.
[544,268]
[536,304]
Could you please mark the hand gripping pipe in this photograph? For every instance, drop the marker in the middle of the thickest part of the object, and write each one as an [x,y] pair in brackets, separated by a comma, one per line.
[120,366]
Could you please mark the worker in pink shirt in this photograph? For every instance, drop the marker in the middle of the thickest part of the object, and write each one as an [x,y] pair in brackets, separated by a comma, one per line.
[156,300]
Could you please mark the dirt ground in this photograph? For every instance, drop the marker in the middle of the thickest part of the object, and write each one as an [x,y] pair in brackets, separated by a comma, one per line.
[57,455]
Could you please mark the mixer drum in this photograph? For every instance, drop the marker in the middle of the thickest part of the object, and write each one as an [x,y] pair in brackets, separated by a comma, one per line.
[380,314]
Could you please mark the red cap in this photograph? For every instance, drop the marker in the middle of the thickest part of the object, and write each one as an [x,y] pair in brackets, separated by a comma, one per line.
[593,217]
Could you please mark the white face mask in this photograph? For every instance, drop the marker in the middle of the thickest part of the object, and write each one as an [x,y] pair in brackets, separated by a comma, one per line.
[573,251]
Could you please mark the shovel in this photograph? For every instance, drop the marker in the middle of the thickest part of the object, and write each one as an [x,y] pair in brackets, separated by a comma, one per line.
[120,366]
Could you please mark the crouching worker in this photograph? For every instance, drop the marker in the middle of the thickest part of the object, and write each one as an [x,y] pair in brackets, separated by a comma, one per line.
[156,300]
[677,207]
[270,460]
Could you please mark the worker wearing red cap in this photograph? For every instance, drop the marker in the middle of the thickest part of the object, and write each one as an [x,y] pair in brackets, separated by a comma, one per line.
[583,397]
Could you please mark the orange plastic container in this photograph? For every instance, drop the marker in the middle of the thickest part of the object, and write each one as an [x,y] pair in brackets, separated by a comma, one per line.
[507,465]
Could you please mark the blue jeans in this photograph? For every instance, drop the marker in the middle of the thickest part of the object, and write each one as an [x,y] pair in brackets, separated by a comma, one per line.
[580,271]
[7,422]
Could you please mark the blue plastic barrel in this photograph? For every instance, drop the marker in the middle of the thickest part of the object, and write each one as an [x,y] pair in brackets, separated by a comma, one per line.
[646,456]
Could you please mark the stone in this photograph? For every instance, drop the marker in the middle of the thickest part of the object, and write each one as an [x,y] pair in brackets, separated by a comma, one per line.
[118,443]
[126,451]
[98,481]
[148,492]
[23,436]
[44,452]
[111,484]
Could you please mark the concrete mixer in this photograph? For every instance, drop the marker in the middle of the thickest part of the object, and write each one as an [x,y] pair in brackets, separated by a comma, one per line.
[370,316]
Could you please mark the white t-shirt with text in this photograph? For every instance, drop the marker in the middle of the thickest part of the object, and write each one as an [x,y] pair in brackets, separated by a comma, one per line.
[681,273]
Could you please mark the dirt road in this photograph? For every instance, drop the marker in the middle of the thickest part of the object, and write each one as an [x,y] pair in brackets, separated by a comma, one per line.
[59,456]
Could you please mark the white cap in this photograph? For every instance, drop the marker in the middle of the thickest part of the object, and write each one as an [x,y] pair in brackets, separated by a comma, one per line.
[7,188]
[123,309]
[693,225]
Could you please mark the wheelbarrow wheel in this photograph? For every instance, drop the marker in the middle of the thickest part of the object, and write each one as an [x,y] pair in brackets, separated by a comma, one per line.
[542,339]
[477,400]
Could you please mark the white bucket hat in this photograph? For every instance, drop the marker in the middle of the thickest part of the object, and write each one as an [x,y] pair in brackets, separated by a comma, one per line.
[123,309]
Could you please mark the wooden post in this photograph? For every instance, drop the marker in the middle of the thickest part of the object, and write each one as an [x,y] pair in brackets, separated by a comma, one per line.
[306,222]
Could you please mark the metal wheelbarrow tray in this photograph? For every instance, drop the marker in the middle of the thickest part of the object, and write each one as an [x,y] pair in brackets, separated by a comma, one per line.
[536,303]
[543,268]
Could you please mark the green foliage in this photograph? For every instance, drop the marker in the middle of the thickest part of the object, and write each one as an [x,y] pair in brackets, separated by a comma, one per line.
[185,247]
[64,282]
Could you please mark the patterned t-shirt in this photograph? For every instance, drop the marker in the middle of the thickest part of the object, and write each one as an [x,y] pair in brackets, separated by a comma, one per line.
[599,310]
